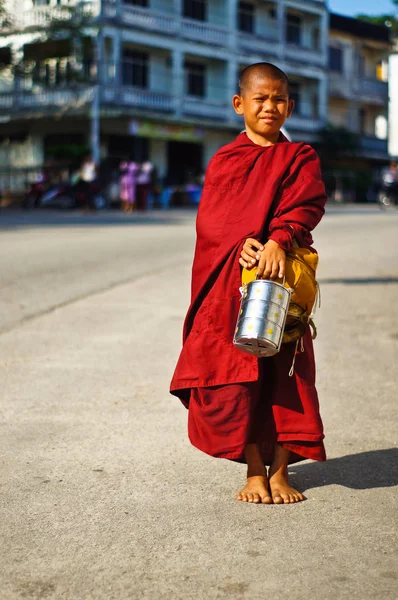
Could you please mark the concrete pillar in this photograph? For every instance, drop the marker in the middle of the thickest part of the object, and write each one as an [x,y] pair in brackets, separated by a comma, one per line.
[281,25]
[323,99]
[231,24]
[177,5]
[117,58]
[232,84]
[324,37]
[158,156]
[178,80]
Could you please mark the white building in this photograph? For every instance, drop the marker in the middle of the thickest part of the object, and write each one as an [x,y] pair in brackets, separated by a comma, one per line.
[167,70]
[393,104]
[358,83]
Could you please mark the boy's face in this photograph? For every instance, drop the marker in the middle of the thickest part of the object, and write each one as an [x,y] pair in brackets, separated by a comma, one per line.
[265,106]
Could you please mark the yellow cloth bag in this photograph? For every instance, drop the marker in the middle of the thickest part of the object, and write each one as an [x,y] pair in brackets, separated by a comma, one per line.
[301,265]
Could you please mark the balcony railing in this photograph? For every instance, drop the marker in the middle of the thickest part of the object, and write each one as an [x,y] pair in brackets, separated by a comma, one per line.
[373,147]
[376,91]
[305,55]
[252,43]
[149,20]
[144,99]
[200,107]
[40,16]
[203,32]
[39,99]
[303,123]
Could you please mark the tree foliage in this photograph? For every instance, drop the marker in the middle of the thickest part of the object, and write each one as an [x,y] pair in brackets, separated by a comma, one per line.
[389,20]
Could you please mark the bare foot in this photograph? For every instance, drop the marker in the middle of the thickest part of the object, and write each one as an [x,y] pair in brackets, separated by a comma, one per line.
[256,490]
[281,491]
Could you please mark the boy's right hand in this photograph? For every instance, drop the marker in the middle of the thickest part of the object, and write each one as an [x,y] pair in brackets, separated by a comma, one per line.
[250,255]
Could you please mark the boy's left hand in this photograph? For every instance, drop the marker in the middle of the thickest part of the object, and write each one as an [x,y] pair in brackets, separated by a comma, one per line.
[271,259]
[272,262]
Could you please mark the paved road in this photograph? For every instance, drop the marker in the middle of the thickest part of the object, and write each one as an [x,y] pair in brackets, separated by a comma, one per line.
[103,498]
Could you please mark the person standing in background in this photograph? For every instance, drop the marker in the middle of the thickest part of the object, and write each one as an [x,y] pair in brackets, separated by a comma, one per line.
[129,171]
[88,176]
[144,185]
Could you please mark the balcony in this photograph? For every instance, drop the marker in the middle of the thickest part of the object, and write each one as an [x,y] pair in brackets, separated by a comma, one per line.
[34,100]
[255,44]
[309,56]
[40,16]
[373,91]
[339,86]
[303,123]
[373,147]
[138,98]
[149,20]
[202,108]
[203,32]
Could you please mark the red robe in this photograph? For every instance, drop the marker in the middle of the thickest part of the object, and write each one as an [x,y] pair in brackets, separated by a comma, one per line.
[273,192]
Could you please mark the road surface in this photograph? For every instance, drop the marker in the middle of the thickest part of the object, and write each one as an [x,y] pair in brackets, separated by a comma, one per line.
[102,496]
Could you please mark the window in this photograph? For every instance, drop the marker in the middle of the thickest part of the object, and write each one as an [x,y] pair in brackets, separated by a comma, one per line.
[316,38]
[362,120]
[195,79]
[135,68]
[293,30]
[336,59]
[246,17]
[143,3]
[294,94]
[195,9]
[315,105]
[361,65]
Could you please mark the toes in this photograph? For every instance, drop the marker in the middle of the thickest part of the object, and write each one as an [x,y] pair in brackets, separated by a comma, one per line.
[266,499]
[256,498]
[250,497]
[277,498]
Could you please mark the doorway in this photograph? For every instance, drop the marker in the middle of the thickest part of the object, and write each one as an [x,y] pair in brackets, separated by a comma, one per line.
[184,162]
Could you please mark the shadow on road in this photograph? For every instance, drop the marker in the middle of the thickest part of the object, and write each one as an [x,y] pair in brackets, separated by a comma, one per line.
[14,220]
[364,471]
[359,280]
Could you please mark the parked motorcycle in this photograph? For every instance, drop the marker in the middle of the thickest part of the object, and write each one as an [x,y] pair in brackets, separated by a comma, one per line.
[388,195]
[34,195]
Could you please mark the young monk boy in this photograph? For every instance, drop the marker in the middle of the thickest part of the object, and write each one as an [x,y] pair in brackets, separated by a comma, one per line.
[260,193]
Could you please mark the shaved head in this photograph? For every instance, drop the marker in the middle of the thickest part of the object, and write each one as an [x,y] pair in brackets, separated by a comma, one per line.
[258,71]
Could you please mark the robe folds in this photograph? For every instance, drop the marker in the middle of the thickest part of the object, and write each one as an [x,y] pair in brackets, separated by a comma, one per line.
[272,192]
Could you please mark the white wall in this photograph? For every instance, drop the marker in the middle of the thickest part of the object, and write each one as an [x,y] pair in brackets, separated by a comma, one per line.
[216,81]
[160,74]
[393,106]
[158,155]
[166,6]
[216,11]
[265,26]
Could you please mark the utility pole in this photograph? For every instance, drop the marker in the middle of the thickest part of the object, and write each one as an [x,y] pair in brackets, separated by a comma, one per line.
[95,106]
[95,123]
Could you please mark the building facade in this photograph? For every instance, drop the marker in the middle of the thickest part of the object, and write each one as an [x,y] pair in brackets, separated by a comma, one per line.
[160,74]
[358,84]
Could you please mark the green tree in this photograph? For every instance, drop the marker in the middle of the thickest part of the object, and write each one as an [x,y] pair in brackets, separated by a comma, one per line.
[389,20]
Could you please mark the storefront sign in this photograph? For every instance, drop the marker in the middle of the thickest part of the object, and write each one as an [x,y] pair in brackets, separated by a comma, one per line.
[165,131]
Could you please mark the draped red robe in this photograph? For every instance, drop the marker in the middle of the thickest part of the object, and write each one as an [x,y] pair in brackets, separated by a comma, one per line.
[272,192]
